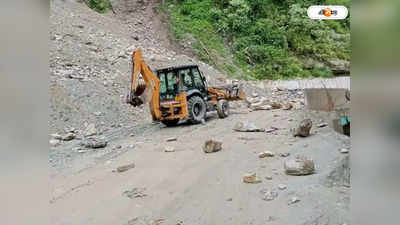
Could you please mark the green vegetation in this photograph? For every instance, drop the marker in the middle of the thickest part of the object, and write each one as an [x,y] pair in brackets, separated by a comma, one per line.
[100,6]
[267,39]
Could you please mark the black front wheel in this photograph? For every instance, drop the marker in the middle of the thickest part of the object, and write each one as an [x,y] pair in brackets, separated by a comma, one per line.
[197,109]
[170,123]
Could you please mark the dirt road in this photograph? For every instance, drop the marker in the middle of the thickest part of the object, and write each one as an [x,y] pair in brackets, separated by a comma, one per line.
[190,187]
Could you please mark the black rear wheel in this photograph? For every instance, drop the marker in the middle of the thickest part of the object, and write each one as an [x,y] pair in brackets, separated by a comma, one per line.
[170,123]
[223,108]
[197,109]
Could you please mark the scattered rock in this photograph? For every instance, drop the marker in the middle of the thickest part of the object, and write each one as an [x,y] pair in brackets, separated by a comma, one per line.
[299,166]
[212,146]
[170,139]
[266,154]
[229,199]
[256,107]
[276,105]
[293,200]
[247,126]
[251,178]
[94,143]
[56,136]
[268,177]
[344,150]
[97,113]
[70,130]
[122,169]
[303,130]
[54,142]
[135,193]
[68,137]
[287,106]
[284,154]
[282,187]
[322,125]
[169,149]
[269,195]
[118,147]
[90,130]
[272,129]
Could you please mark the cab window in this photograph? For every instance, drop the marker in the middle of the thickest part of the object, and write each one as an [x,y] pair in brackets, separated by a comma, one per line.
[198,81]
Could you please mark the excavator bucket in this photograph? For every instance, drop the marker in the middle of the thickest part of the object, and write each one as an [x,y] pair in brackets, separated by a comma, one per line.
[140,96]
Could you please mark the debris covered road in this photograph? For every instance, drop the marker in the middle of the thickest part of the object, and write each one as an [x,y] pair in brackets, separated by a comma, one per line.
[110,165]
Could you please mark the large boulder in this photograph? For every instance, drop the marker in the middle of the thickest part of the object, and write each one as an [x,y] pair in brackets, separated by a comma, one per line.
[211,146]
[299,166]
[303,129]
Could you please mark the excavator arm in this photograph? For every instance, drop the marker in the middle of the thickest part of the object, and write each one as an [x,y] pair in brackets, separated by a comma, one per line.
[144,81]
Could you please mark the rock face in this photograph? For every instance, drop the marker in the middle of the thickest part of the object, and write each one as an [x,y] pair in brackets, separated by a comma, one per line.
[304,128]
[247,126]
[211,146]
[299,167]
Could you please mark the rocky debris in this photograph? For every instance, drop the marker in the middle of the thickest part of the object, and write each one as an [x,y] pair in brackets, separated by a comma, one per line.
[124,168]
[268,177]
[344,150]
[90,130]
[247,126]
[284,154]
[170,139]
[135,193]
[269,195]
[211,146]
[229,199]
[282,187]
[299,166]
[293,200]
[169,149]
[251,178]
[94,143]
[68,137]
[54,142]
[303,129]
[266,154]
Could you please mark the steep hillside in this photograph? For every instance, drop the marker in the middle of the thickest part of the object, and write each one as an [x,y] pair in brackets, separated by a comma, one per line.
[263,39]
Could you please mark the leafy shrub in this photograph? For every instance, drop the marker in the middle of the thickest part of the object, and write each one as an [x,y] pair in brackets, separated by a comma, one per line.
[100,6]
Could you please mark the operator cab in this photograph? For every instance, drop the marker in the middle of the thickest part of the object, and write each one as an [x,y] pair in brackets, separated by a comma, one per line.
[174,80]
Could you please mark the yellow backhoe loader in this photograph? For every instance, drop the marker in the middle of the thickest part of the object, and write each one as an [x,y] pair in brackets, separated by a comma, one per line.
[178,93]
